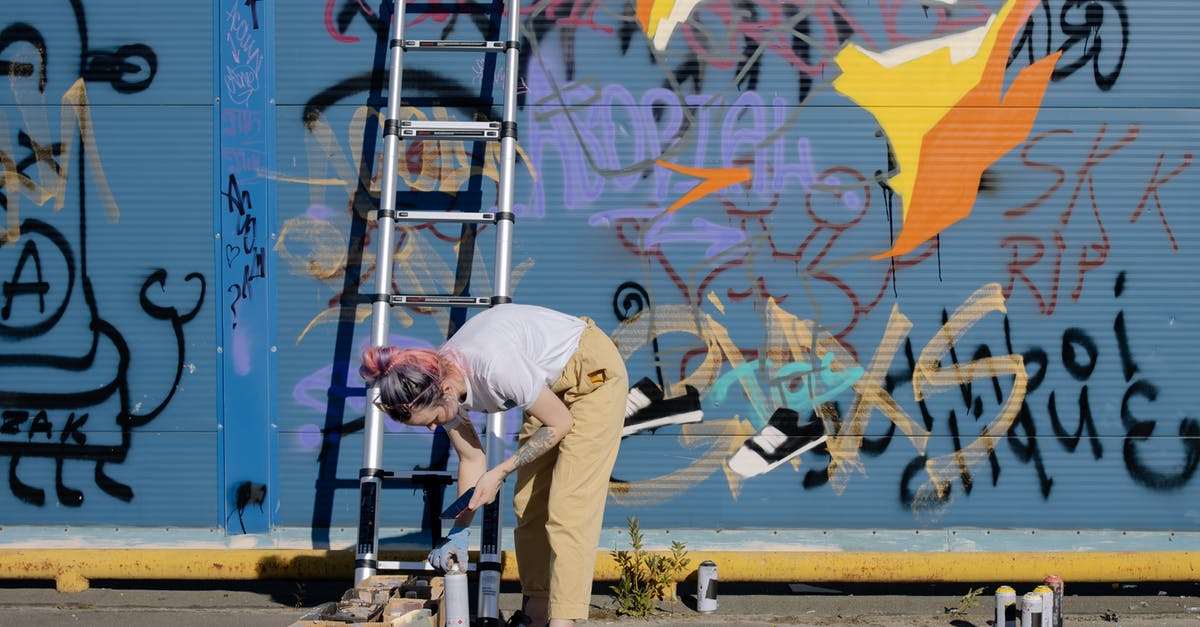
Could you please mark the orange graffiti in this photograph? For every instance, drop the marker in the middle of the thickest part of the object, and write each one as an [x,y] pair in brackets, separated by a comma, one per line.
[712,180]
[984,126]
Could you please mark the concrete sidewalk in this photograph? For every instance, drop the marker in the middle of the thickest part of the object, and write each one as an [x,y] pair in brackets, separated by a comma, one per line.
[279,603]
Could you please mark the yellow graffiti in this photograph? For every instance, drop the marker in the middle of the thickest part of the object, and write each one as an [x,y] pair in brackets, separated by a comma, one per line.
[790,339]
[658,18]
[11,181]
[931,98]
[416,267]
[333,315]
[718,439]
[929,378]
[316,246]
[843,449]
[52,171]
[441,166]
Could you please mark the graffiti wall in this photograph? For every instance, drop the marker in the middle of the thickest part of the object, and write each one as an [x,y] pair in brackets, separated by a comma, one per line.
[900,264]
[106,327]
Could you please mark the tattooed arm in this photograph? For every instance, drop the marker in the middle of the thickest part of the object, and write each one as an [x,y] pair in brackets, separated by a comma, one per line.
[556,423]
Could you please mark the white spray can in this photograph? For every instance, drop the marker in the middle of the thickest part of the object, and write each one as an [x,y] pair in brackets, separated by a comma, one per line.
[706,587]
[1031,609]
[1047,606]
[1007,612]
[456,599]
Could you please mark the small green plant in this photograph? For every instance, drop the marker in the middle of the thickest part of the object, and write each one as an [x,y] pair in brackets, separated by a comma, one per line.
[645,578]
[299,593]
[968,601]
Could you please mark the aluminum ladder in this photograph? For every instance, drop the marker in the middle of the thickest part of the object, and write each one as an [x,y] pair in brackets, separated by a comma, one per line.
[372,474]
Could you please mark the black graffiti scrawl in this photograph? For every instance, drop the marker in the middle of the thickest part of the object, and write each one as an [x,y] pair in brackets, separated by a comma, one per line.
[64,369]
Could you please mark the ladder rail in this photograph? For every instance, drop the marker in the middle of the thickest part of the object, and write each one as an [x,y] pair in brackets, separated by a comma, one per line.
[371,474]
[490,548]
[508,152]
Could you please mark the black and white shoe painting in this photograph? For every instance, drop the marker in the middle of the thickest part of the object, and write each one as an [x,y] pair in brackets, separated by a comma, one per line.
[782,439]
[646,408]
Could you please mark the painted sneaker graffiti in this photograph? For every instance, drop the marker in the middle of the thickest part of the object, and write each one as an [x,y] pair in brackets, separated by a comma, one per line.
[646,408]
[782,439]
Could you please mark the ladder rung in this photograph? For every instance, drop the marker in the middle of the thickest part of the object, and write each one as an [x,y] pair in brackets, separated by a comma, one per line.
[418,476]
[445,216]
[441,129]
[436,300]
[414,566]
[466,46]
[404,566]
[452,7]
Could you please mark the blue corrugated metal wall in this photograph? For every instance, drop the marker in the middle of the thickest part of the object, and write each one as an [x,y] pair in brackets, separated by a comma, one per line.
[184,196]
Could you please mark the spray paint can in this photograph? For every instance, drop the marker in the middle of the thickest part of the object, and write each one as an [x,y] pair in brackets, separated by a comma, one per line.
[455,599]
[1055,583]
[1031,609]
[1006,607]
[1047,605]
[706,587]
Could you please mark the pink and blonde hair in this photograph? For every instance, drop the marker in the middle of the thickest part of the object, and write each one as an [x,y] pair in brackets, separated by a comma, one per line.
[407,379]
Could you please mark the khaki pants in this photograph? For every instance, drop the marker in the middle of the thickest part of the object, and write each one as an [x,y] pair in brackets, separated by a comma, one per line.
[559,498]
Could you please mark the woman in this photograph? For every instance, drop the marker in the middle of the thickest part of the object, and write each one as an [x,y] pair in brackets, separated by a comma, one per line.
[569,379]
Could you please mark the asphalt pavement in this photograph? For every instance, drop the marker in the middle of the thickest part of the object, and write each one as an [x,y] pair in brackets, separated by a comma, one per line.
[281,603]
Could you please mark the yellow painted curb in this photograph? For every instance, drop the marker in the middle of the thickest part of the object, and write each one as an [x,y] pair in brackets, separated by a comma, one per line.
[72,569]
[894,567]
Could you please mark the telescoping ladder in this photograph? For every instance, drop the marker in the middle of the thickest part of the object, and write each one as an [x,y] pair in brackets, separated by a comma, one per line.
[372,474]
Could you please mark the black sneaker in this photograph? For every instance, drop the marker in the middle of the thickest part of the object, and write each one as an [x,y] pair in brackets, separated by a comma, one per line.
[641,395]
[659,411]
[782,439]
[518,619]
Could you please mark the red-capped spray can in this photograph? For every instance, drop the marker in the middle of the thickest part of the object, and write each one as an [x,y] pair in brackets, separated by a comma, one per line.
[1055,583]
[1007,611]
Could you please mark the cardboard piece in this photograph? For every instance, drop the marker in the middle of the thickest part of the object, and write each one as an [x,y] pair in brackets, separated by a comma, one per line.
[382,600]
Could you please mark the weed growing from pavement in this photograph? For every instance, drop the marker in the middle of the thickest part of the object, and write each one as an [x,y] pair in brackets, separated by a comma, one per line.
[299,593]
[968,601]
[645,578]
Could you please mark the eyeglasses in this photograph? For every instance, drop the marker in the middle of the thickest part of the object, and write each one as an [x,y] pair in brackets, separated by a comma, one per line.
[384,407]
[404,410]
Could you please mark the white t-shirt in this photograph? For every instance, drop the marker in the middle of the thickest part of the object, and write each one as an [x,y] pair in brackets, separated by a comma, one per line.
[511,351]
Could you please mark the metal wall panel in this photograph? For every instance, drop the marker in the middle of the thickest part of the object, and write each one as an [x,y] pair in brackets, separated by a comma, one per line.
[107,325]
[719,187]
[1065,228]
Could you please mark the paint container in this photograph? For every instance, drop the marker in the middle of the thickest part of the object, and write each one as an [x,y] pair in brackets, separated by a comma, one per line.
[1055,583]
[706,587]
[1047,605]
[1006,607]
[455,599]
[1031,609]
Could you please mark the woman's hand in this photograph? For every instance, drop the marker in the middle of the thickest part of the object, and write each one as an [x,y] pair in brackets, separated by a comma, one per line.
[487,488]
